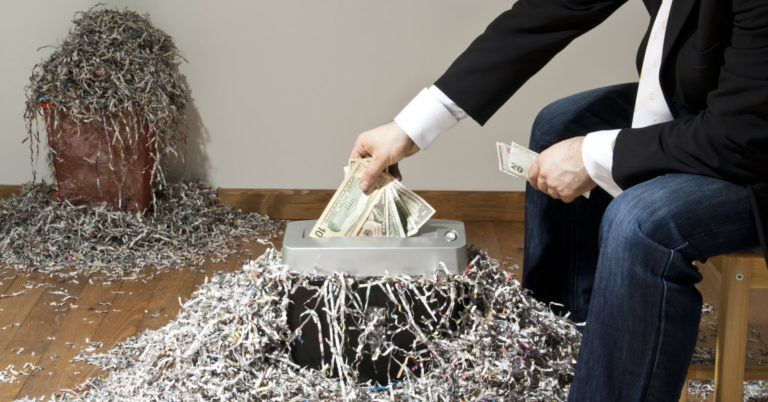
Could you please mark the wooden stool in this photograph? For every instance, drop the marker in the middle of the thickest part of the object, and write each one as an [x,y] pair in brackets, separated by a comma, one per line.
[740,272]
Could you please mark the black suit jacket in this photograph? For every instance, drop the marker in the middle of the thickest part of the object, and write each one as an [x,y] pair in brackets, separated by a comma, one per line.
[714,75]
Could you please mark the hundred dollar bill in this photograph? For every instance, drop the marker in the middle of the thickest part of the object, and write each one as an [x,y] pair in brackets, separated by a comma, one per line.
[516,159]
[349,208]
[416,210]
[387,217]
[375,224]
[384,219]
[396,215]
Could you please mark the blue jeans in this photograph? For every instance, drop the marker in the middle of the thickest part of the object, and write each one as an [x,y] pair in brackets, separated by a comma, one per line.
[624,265]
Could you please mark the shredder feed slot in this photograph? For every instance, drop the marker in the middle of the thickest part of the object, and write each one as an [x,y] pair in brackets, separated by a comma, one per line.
[439,240]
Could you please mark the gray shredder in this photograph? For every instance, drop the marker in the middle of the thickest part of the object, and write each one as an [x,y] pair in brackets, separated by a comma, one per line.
[439,240]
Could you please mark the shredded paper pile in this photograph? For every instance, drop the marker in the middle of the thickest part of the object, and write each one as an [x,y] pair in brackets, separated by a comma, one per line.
[188,226]
[487,338]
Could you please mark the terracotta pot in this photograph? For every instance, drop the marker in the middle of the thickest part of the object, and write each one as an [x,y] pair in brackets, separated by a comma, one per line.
[88,172]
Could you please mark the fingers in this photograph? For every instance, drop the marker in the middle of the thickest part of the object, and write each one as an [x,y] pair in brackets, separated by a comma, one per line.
[359,149]
[370,175]
[541,183]
[543,179]
[567,199]
[544,188]
[533,174]
[386,145]
[394,170]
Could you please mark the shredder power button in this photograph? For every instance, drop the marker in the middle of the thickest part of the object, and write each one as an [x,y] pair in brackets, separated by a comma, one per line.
[451,235]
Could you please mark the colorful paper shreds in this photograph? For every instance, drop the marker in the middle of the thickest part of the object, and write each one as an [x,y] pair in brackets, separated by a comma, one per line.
[232,341]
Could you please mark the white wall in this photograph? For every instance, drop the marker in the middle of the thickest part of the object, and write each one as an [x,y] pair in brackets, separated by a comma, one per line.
[281,88]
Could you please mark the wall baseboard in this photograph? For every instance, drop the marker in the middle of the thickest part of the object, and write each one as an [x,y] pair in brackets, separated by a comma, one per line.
[505,206]
[8,190]
[309,204]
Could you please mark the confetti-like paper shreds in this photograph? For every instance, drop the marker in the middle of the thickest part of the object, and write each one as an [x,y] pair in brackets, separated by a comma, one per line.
[188,226]
[231,341]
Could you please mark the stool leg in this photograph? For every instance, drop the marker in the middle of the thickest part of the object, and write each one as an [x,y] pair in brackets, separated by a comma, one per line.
[732,329]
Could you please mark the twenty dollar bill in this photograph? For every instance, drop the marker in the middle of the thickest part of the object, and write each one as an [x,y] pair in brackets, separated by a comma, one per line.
[516,160]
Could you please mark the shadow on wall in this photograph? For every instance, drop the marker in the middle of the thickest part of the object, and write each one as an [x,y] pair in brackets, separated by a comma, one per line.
[195,163]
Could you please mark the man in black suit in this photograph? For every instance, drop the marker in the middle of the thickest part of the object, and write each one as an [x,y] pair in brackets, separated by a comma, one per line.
[677,165]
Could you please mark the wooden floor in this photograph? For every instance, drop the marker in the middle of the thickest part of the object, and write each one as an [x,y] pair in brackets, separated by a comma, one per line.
[35,328]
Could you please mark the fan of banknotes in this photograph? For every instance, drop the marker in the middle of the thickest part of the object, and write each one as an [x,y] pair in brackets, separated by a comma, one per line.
[388,210]
[516,159]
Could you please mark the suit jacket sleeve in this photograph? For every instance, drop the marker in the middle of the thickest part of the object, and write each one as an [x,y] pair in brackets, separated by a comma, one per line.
[516,45]
[728,138]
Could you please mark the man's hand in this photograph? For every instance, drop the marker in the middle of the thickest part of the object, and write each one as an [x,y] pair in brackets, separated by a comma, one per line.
[386,145]
[559,171]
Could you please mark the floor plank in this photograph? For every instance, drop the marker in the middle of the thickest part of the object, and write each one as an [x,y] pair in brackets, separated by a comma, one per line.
[510,238]
[15,309]
[6,282]
[45,319]
[482,235]
[163,301]
[80,323]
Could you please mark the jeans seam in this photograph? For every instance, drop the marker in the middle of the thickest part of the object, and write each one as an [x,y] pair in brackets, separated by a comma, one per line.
[716,230]
[661,321]
[662,309]
[574,273]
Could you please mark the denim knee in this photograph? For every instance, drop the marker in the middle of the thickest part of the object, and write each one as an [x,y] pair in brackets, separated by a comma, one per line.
[619,225]
[548,127]
[630,221]
[578,114]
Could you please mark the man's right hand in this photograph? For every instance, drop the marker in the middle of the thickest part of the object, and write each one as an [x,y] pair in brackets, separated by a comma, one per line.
[386,145]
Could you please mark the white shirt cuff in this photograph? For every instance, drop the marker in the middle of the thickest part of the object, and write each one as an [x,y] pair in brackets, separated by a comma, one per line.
[428,115]
[597,154]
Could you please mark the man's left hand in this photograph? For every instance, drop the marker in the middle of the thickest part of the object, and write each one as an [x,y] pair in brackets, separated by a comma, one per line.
[559,171]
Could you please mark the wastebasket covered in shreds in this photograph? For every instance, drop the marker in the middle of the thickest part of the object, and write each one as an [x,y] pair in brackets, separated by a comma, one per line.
[114,104]
[232,340]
